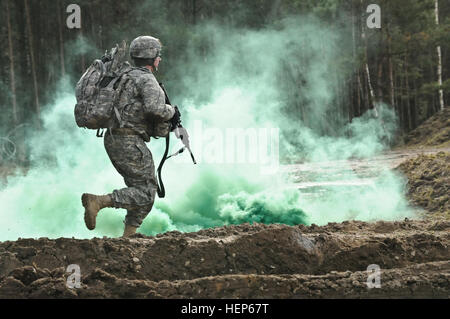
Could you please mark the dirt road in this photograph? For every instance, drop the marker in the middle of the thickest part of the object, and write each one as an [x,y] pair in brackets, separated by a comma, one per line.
[352,172]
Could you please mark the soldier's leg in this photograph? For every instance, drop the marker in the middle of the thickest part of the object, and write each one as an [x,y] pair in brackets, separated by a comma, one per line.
[133,160]
[92,205]
[134,219]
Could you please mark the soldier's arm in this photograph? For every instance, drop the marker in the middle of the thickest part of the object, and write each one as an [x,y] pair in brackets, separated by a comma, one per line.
[154,98]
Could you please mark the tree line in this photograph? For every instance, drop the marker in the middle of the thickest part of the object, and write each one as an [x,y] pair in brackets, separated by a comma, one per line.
[405,63]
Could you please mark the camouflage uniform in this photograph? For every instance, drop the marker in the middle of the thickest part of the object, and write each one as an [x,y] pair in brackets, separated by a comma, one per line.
[142,101]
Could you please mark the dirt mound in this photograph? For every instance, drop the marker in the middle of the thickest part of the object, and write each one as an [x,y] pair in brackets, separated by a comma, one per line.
[433,132]
[242,261]
[429,181]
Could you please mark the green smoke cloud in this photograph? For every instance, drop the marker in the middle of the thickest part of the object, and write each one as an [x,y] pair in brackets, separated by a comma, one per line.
[246,79]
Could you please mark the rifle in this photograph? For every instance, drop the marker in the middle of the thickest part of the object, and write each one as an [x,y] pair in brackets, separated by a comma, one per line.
[180,133]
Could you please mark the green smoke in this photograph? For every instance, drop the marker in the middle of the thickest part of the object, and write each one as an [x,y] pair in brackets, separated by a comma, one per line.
[246,79]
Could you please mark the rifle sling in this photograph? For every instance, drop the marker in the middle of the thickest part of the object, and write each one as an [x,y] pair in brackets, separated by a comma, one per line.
[160,186]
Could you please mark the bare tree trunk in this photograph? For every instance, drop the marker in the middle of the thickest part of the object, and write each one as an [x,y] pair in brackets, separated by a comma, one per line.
[11,65]
[338,98]
[372,99]
[83,59]
[350,99]
[355,71]
[408,102]
[380,79]
[370,87]
[439,68]
[414,109]
[194,12]
[19,135]
[403,118]
[434,105]
[391,69]
[33,63]
[361,95]
[81,36]
[61,40]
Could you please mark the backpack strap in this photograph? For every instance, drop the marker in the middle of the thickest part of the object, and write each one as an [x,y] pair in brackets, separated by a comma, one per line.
[120,86]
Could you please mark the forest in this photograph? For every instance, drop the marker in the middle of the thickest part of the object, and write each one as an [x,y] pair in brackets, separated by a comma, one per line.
[404,64]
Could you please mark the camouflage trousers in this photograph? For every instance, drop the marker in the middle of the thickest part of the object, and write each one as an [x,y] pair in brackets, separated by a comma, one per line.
[133,160]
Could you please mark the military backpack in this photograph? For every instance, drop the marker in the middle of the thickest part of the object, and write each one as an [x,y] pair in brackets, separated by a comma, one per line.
[99,88]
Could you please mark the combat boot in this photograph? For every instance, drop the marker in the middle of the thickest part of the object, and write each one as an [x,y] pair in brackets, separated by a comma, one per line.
[129,230]
[92,204]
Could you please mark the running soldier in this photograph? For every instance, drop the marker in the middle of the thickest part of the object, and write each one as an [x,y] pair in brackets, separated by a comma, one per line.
[144,114]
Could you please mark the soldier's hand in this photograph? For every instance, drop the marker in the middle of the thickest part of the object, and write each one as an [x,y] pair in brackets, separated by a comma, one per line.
[161,129]
[176,119]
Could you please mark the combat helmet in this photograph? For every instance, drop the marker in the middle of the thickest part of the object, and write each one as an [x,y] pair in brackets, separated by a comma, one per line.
[145,47]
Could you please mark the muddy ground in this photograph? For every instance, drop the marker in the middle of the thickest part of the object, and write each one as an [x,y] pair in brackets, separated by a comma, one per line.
[242,261]
[429,182]
[434,132]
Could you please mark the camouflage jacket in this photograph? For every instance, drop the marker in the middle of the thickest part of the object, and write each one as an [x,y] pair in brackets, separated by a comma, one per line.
[141,104]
